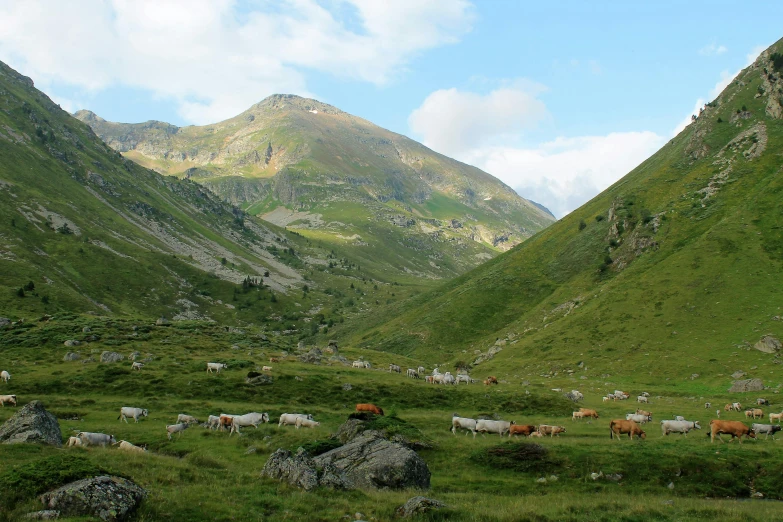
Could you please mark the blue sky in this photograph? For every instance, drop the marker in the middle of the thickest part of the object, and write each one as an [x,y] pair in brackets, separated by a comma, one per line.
[557,99]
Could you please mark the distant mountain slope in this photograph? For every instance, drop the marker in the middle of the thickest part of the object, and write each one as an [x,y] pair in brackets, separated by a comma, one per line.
[337,178]
[672,272]
[83,229]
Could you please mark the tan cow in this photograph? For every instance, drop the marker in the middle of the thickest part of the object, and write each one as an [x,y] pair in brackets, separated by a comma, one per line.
[546,429]
[733,428]
[756,413]
[775,416]
[620,427]
[587,412]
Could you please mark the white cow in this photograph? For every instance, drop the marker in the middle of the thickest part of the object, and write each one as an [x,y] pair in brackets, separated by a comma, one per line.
[7,398]
[133,413]
[73,441]
[775,416]
[96,439]
[137,366]
[358,364]
[678,426]
[213,421]
[438,378]
[639,419]
[642,398]
[5,376]
[176,428]
[248,419]
[492,426]
[216,367]
[187,419]
[448,379]
[765,429]
[127,446]
[395,368]
[461,377]
[367,365]
[463,423]
[306,423]
[422,370]
[289,419]
[413,374]
[266,369]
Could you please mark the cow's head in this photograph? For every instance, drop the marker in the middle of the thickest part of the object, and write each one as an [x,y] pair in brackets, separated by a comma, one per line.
[144,413]
[264,417]
[696,425]
[642,435]
[776,428]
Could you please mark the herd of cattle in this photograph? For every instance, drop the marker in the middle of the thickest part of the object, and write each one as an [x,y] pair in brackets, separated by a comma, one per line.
[435,378]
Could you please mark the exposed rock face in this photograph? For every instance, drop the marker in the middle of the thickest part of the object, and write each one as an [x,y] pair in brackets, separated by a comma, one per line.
[313,356]
[768,344]
[371,462]
[300,470]
[70,356]
[349,430]
[111,357]
[746,386]
[418,505]
[31,424]
[109,498]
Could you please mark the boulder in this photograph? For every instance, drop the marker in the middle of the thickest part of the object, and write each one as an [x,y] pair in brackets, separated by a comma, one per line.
[300,470]
[369,461]
[86,329]
[768,344]
[70,356]
[31,424]
[311,357]
[418,505]
[349,430]
[70,343]
[258,380]
[162,321]
[106,497]
[746,385]
[111,357]
[347,386]
[4,321]
[739,374]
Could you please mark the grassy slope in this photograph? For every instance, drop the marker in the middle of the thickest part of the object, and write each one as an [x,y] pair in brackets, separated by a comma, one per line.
[689,298]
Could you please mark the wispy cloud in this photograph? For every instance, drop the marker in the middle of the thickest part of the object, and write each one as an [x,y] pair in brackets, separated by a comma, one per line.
[712,49]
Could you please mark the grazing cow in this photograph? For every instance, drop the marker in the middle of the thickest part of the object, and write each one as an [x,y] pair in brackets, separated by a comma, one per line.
[491,380]
[643,412]
[765,429]
[492,426]
[642,398]
[213,422]
[438,378]
[5,376]
[605,398]
[429,379]
[522,429]
[188,419]
[678,426]
[306,423]
[289,419]
[127,446]
[176,428]
[727,407]
[216,367]
[248,419]
[587,412]
[137,366]
[274,359]
[357,364]
[775,416]
[707,405]
[463,423]
[11,399]
[73,441]
[733,428]
[546,429]
[620,427]
[435,371]
[422,370]
[645,394]
[412,374]
[462,377]
[577,415]
[736,406]
[395,368]
[536,434]
[371,408]
[756,413]
[133,413]
[448,379]
[95,439]
[641,419]
[266,368]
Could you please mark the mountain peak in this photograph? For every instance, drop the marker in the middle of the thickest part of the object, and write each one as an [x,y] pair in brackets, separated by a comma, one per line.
[293,101]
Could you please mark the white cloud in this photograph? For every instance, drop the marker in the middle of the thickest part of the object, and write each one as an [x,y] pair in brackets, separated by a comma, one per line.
[452,121]
[712,50]
[210,56]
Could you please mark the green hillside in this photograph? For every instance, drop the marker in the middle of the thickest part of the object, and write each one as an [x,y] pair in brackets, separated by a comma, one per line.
[392,203]
[84,230]
[673,271]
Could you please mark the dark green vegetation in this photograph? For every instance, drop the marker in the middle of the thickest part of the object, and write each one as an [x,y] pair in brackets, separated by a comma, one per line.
[393,205]
[666,280]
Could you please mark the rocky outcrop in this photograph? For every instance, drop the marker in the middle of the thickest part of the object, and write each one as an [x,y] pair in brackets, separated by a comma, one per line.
[31,424]
[258,379]
[746,385]
[418,505]
[46,514]
[768,344]
[371,462]
[300,470]
[70,356]
[111,357]
[312,357]
[106,497]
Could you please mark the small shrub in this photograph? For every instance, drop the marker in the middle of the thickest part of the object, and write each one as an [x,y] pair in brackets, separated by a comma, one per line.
[524,456]
[582,224]
[777,61]
[599,217]
[720,120]
[20,292]
[320,446]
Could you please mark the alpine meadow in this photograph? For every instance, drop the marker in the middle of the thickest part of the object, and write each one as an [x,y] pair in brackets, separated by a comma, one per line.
[296,314]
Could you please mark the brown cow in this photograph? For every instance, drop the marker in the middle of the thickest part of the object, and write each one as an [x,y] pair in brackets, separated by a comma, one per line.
[727,407]
[733,428]
[371,408]
[620,427]
[587,412]
[491,380]
[274,359]
[644,412]
[521,429]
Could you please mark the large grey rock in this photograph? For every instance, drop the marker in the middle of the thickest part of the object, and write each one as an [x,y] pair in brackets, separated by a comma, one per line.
[70,356]
[111,357]
[258,379]
[349,430]
[70,343]
[300,470]
[311,357]
[768,344]
[107,497]
[371,462]
[746,385]
[31,424]
[418,505]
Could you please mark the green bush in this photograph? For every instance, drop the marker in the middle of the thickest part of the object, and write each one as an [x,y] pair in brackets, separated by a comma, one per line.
[320,446]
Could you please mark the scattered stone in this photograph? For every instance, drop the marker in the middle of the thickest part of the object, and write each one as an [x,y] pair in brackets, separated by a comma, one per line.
[70,356]
[162,321]
[31,424]
[259,380]
[668,502]
[4,321]
[134,355]
[347,386]
[541,480]
[235,347]
[418,505]
[757,494]
[671,485]
[312,357]
[694,376]
[297,378]
[86,329]
[746,386]
[768,344]
[739,374]
[46,514]
[250,451]
[70,343]
[111,357]
[106,497]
